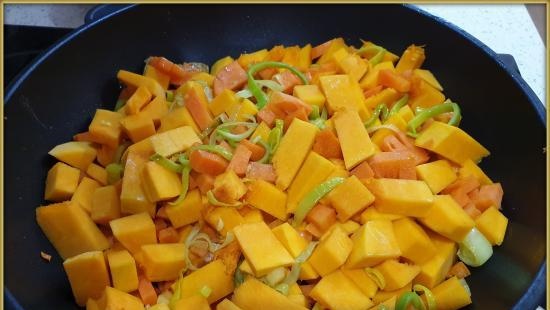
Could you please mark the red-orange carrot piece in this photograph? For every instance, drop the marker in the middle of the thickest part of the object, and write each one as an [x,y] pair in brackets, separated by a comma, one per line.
[126,92]
[401,143]
[288,80]
[205,182]
[261,171]
[460,189]
[320,49]
[322,217]
[257,151]
[459,270]
[160,224]
[471,210]
[373,91]
[267,116]
[198,111]
[363,171]
[300,113]
[206,162]
[232,77]
[407,74]
[288,103]
[388,78]
[395,165]
[267,73]
[226,146]
[168,235]
[240,160]
[105,155]
[147,292]
[178,74]
[327,144]
[314,230]
[192,182]
[488,195]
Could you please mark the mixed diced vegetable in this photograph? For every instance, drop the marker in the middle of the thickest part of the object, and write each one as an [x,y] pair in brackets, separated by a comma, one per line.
[325,177]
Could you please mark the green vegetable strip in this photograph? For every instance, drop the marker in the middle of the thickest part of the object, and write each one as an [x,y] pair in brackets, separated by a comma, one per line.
[120,151]
[398,105]
[205,291]
[409,299]
[429,296]
[114,172]
[238,278]
[426,114]
[270,84]
[368,50]
[119,104]
[169,95]
[245,93]
[216,149]
[232,137]
[317,119]
[255,88]
[215,202]
[294,273]
[282,288]
[184,184]
[267,152]
[380,109]
[208,130]
[314,113]
[474,250]
[309,201]
[376,59]
[166,163]
[377,277]
[383,307]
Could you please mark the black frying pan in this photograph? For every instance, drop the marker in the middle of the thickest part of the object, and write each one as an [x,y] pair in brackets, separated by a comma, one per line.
[58,94]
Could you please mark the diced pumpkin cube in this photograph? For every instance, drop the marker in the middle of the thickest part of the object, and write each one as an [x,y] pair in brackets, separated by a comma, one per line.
[98,173]
[253,294]
[138,126]
[174,140]
[451,295]
[450,142]
[350,226]
[268,198]
[105,204]
[161,78]
[343,93]
[132,196]
[428,77]
[156,110]
[139,98]
[137,80]
[61,182]
[470,168]
[333,46]
[159,183]
[243,111]
[91,304]
[84,192]
[88,275]
[406,197]
[336,291]
[123,270]
[248,59]
[228,187]
[292,151]
[176,118]
[387,96]
[70,229]
[133,231]
[362,280]
[492,224]
[214,276]
[437,174]
[350,197]
[228,216]
[295,244]
[116,299]
[75,153]
[223,102]
[253,216]
[397,275]
[424,95]
[448,219]
[412,58]
[195,302]
[413,241]
[261,248]
[186,212]
[310,94]
[261,131]
[354,138]
[331,252]
[351,64]
[370,80]
[105,127]
[372,213]
[313,172]
[373,243]
[163,262]
[433,271]
[227,304]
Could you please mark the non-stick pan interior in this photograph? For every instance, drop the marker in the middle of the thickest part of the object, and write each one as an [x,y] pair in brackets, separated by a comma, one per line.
[58,98]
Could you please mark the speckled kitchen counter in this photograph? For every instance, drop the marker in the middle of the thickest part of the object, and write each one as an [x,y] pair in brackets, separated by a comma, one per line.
[505,28]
